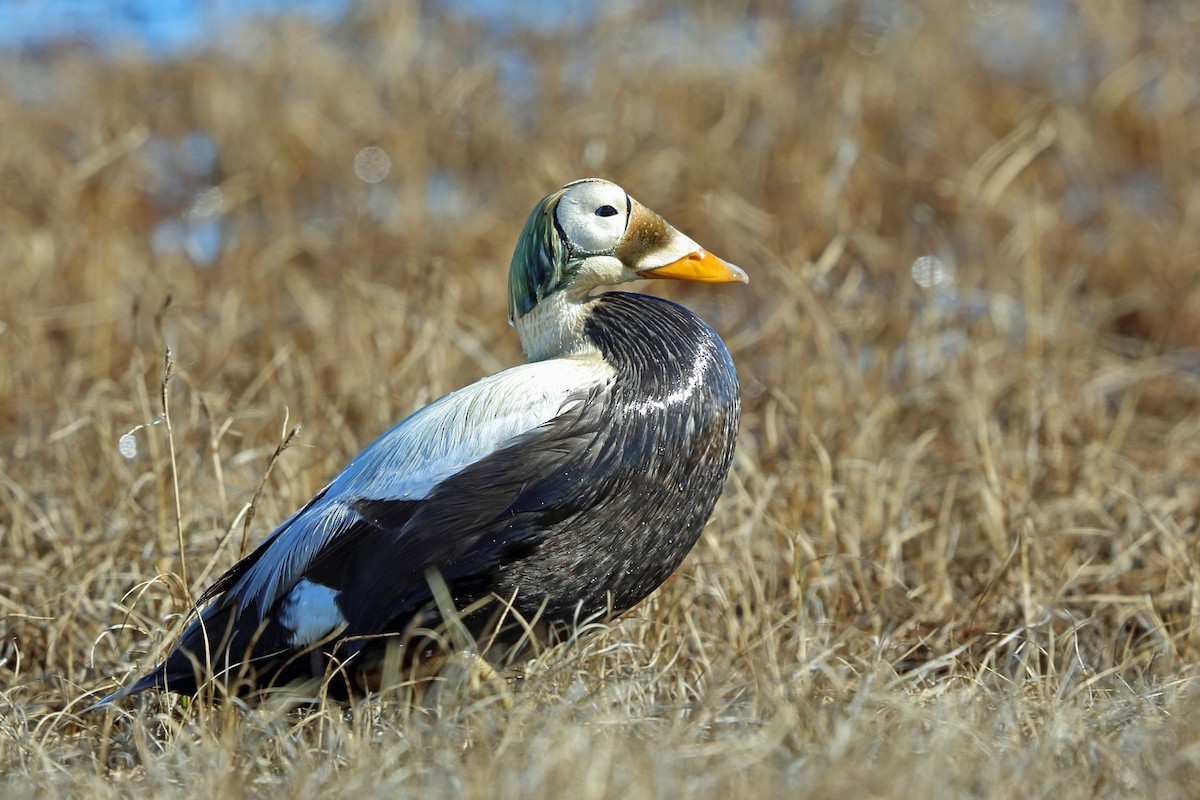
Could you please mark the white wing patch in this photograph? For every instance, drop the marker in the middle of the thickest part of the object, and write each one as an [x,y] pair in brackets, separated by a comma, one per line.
[411,459]
[310,612]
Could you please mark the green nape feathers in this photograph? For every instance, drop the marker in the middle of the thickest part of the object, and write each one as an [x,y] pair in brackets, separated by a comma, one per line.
[539,263]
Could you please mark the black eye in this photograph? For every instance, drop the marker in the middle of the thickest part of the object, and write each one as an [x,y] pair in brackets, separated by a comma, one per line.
[606,211]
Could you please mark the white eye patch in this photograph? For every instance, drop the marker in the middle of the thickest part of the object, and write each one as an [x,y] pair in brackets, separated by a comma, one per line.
[593,216]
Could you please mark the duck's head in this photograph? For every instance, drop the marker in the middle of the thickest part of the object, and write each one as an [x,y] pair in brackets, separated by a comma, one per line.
[588,234]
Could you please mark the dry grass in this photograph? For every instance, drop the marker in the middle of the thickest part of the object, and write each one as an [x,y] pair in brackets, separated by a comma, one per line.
[958,554]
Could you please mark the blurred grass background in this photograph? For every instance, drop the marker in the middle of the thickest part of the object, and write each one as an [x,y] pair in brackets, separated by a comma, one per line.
[958,553]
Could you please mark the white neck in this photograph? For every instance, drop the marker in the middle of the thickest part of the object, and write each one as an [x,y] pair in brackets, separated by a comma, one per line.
[554,327]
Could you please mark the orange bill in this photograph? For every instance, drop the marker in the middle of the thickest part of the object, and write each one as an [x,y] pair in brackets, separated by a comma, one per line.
[698,266]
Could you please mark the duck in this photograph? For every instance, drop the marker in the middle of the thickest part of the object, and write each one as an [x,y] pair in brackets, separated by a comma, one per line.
[555,492]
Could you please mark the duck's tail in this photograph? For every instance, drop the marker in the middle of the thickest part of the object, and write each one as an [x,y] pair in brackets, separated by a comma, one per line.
[183,669]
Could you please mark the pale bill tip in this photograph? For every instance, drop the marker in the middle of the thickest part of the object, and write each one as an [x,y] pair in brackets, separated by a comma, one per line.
[739,273]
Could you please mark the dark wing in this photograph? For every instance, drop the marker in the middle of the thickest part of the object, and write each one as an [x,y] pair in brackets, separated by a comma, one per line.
[471,525]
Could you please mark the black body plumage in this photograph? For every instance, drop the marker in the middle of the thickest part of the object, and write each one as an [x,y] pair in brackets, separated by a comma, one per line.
[616,493]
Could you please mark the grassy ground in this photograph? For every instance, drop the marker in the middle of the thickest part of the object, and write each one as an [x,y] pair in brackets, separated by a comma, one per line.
[958,552]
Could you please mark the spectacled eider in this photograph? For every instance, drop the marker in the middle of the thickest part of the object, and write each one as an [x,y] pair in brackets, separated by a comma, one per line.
[564,490]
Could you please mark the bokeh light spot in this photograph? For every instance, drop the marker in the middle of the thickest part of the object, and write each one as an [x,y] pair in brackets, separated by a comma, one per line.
[929,271]
[372,165]
[127,446]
